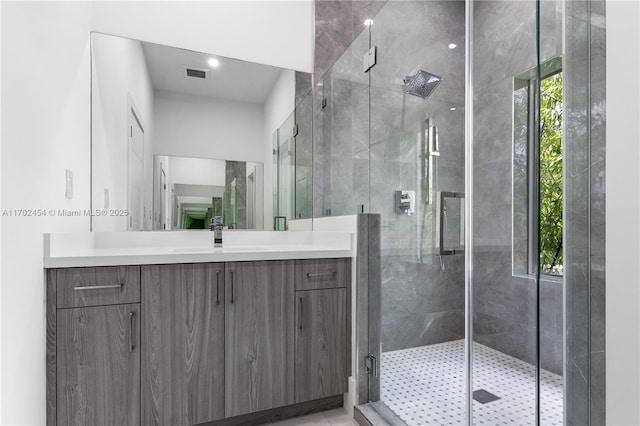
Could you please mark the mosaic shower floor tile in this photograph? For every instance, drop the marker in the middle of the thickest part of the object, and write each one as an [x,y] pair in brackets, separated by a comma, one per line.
[425,386]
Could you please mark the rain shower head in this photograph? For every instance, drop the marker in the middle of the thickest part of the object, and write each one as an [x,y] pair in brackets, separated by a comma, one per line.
[422,84]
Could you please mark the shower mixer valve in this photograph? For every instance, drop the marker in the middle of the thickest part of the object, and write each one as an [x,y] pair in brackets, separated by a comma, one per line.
[405,202]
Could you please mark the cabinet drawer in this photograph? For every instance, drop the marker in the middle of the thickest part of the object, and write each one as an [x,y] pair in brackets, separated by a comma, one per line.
[108,285]
[316,274]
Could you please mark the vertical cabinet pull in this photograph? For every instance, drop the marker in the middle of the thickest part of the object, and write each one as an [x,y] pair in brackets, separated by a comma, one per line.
[218,287]
[131,346]
[301,305]
[232,285]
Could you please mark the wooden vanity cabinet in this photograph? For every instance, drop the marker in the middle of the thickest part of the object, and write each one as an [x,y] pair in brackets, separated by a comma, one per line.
[259,323]
[187,344]
[321,334]
[182,343]
[97,346]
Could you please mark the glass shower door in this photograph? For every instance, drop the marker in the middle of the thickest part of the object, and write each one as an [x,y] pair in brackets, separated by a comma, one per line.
[530,268]
[495,327]
[417,186]
[503,281]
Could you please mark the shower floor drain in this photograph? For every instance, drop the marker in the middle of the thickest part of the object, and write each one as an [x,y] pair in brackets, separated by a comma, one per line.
[484,397]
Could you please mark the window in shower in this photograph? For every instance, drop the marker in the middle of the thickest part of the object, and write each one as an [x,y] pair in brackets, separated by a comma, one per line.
[526,172]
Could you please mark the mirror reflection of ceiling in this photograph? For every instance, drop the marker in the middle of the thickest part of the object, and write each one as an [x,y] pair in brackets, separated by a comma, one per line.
[232,79]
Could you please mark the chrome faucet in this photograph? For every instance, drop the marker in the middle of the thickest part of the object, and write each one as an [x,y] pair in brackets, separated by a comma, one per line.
[216,227]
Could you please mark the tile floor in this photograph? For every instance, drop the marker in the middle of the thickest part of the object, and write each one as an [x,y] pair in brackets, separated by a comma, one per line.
[425,386]
[337,417]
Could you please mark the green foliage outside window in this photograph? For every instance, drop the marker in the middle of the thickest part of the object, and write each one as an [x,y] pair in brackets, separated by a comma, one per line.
[551,109]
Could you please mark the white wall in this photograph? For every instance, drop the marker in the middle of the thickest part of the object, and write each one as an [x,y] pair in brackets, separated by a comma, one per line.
[46,129]
[120,81]
[195,126]
[279,105]
[196,171]
[0,221]
[623,214]
[278,33]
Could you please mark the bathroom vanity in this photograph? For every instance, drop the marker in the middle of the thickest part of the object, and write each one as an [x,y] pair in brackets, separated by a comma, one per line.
[227,338]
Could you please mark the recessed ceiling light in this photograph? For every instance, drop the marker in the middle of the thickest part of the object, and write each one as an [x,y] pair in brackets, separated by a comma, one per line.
[368,22]
[453,46]
[452,109]
[214,62]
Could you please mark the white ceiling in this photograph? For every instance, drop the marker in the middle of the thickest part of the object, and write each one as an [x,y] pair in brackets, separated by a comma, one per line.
[233,80]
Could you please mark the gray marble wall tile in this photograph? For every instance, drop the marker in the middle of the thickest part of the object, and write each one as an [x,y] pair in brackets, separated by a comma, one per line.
[505,305]
[492,205]
[584,144]
[577,374]
[237,170]
[374,244]
[333,32]
[362,10]
[302,85]
[493,123]
[337,24]
[368,288]
[598,201]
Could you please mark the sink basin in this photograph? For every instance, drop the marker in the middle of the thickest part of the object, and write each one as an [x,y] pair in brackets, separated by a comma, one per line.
[230,249]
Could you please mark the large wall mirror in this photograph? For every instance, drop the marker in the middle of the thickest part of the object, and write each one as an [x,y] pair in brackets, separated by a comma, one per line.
[180,136]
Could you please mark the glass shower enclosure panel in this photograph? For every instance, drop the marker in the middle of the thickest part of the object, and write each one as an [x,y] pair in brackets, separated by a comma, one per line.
[343,157]
[504,301]
[284,173]
[478,162]
[304,159]
[417,183]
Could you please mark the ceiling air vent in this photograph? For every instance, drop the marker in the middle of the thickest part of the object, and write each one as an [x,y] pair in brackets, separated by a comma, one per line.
[196,73]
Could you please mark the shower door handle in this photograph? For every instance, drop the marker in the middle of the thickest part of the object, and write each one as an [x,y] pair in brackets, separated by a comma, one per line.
[440,225]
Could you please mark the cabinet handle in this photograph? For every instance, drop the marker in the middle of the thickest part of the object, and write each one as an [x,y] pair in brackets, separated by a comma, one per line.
[217,287]
[232,286]
[98,287]
[131,345]
[326,274]
[301,305]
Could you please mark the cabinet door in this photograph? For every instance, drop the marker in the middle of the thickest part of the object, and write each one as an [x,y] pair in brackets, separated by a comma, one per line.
[98,365]
[183,351]
[321,343]
[259,336]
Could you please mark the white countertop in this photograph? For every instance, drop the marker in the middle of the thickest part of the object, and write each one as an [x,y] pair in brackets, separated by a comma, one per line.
[144,248]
